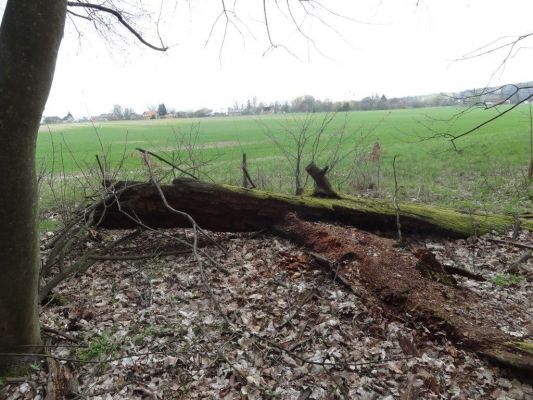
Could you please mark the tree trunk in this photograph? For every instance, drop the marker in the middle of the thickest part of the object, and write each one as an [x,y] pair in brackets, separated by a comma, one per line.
[30,36]
[227,208]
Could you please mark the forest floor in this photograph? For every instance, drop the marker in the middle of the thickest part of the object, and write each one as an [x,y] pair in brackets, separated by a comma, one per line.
[154,329]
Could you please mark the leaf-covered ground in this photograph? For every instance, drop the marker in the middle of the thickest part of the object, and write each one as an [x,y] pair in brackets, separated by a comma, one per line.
[153,329]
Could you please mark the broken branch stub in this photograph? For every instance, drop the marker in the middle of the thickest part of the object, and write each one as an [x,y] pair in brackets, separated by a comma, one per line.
[323,187]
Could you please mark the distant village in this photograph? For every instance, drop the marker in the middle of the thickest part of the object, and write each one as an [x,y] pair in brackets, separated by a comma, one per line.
[127,114]
[486,97]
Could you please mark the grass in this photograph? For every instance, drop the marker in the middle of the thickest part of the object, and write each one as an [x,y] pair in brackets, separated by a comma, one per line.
[485,173]
[505,280]
[99,347]
[49,225]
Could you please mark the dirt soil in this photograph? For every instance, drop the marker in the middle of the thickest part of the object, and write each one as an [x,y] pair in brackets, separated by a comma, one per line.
[148,329]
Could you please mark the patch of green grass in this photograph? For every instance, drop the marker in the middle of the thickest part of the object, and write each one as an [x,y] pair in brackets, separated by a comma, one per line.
[505,280]
[150,331]
[49,225]
[99,347]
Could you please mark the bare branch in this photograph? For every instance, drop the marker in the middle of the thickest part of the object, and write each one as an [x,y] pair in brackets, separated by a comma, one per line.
[488,121]
[167,162]
[118,15]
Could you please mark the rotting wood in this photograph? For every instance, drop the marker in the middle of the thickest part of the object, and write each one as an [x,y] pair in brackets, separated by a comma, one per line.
[61,383]
[390,276]
[227,208]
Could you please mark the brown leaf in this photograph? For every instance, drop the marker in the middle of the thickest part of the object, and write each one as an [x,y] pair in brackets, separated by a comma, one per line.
[407,345]
[410,392]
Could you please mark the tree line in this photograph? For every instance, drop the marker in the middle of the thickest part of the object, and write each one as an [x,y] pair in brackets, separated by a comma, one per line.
[489,96]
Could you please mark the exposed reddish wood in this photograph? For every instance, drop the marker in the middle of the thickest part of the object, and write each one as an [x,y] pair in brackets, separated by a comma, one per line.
[391,276]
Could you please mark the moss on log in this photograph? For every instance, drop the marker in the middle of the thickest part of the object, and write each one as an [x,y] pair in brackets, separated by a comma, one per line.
[229,208]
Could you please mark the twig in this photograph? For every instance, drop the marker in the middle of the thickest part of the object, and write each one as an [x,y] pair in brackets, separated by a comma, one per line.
[127,257]
[167,162]
[334,364]
[81,265]
[511,243]
[120,19]
[302,302]
[102,168]
[59,333]
[77,360]
[196,229]
[332,267]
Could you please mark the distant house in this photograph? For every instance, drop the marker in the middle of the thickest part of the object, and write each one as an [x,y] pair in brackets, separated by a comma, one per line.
[149,115]
[168,116]
[52,120]
[68,118]
[268,110]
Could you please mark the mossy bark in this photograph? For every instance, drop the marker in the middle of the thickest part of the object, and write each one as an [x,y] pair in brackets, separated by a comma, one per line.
[230,208]
[30,36]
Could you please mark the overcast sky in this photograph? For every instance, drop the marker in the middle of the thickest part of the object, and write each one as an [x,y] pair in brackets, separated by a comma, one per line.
[395,47]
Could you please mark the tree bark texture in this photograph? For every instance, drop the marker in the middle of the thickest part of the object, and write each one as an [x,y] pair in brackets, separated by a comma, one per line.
[232,209]
[30,36]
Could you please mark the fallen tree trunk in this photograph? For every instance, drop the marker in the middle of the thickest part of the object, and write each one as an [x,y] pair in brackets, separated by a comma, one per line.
[232,209]
[376,270]
[370,265]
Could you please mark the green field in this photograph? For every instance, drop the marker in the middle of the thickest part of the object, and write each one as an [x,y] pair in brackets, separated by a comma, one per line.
[486,172]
